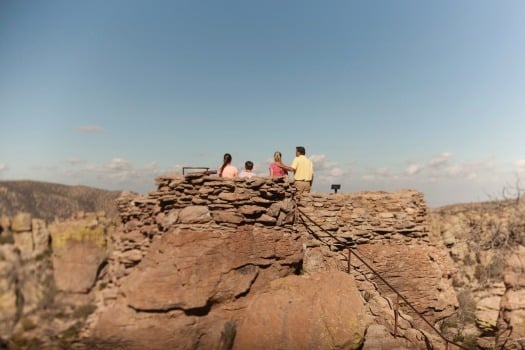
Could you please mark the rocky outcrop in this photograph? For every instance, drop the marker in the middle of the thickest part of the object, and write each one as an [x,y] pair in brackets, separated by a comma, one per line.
[421,273]
[480,238]
[48,271]
[207,268]
[79,249]
[9,290]
[390,232]
[511,321]
[316,311]
[212,263]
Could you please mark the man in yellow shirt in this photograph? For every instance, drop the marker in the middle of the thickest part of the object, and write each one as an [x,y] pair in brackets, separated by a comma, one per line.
[303,170]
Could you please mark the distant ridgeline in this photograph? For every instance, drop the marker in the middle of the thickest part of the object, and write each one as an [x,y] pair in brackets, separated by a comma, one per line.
[48,201]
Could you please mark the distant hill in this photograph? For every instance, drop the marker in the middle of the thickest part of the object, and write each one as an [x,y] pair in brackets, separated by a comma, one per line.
[48,201]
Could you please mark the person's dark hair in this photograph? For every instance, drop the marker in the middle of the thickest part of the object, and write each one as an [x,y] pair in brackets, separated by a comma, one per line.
[301,150]
[227,159]
[248,165]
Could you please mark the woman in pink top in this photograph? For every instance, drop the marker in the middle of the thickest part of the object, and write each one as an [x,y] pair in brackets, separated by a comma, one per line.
[227,169]
[275,167]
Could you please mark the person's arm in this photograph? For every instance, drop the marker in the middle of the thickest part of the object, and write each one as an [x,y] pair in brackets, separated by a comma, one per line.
[285,167]
[271,171]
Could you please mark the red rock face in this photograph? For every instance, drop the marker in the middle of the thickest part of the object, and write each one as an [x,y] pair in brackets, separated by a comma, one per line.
[207,263]
[419,272]
[76,265]
[191,270]
[317,311]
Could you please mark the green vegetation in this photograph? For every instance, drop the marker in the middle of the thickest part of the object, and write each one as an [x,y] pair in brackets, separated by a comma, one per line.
[44,255]
[18,342]
[80,232]
[84,311]
[6,239]
[27,324]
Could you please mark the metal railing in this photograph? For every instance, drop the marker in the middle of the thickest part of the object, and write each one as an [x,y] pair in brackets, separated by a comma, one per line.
[398,294]
[205,170]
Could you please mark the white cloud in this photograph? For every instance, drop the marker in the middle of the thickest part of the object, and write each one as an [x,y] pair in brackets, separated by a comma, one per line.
[3,166]
[379,174]
[439,168]
[440,160]
[413,169]
[519,165]
[320,162]
[337,172]
[119,164]
[121,173]
[90,128]
[73,160]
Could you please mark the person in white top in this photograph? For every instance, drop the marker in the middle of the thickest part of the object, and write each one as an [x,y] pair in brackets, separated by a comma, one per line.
[248,170]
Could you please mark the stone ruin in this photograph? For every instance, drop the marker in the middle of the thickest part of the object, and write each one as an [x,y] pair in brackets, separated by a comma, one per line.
[212,263]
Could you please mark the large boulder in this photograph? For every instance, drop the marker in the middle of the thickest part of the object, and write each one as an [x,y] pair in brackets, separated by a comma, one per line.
[190,270]
[322,310]
[79,249]
[21,222]
[190,288]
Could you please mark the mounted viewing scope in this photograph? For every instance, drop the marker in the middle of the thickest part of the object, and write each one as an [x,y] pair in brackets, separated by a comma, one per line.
[336,187]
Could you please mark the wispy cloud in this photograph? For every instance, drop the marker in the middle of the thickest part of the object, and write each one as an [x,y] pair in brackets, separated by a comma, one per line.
[73,161]
[440,160]
[90,129]
[379,174]
[119,173]
[519,165]
[3,166]
[119,164]
[438,167]
[326,170]
[414,168]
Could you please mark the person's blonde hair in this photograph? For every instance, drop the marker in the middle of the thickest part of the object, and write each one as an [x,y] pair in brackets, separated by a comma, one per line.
[277,156]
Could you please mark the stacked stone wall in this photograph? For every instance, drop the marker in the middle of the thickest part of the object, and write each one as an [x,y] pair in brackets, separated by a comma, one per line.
[206,202]
[199,202]
[364,217]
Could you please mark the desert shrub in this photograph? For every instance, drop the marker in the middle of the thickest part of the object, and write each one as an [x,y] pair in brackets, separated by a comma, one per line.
[7,239]
[449,323]
[469,341]
[467,260]
[48,299]
[467,306]
[27,324]
[18,342]
[84,311]
[457,282]
[44,255]
[69,336]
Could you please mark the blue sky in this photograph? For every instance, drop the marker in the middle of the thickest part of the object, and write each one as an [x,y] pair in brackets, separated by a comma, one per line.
[384,95]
